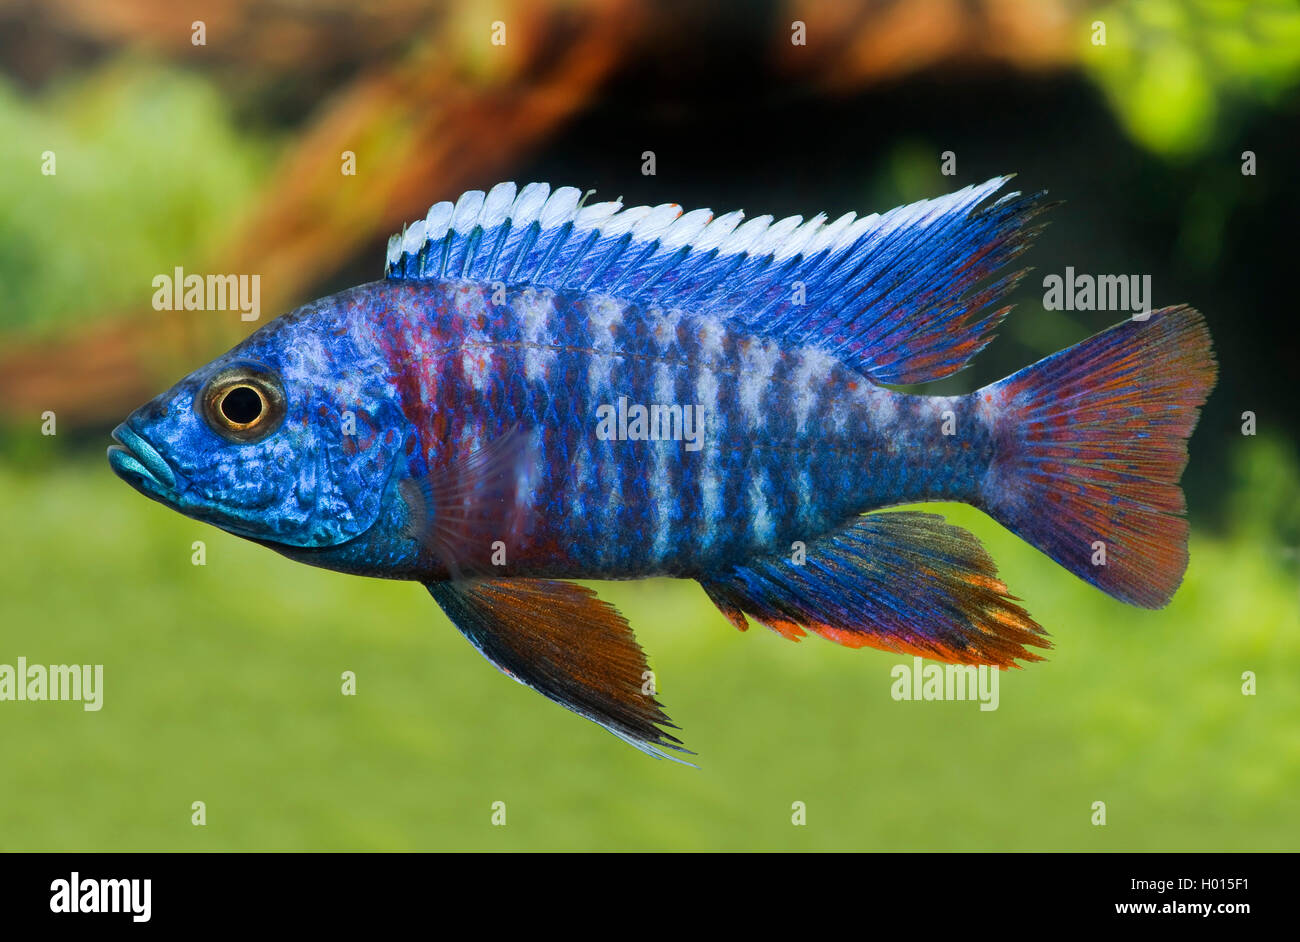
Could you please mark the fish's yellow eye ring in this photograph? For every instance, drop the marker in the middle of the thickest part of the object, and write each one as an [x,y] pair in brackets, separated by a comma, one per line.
[243,403]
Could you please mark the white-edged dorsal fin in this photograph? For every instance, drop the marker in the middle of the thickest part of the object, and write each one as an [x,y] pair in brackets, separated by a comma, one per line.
[899,295]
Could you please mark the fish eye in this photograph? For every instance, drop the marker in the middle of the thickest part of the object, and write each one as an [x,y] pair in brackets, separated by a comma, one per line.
[243,403]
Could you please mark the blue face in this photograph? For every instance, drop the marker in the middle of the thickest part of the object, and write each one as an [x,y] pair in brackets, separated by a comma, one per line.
[285,439]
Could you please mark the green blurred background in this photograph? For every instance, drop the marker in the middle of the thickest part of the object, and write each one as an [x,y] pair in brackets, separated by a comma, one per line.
[222,682]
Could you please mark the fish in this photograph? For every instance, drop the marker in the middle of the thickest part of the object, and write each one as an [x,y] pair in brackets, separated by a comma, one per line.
[540,391]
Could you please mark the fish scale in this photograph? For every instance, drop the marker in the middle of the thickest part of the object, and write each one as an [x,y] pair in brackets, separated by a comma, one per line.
[783,450]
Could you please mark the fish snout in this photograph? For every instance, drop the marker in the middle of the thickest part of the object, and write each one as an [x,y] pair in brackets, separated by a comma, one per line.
[138,463]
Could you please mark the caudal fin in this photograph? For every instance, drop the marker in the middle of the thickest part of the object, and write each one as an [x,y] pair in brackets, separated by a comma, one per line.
[1091,444]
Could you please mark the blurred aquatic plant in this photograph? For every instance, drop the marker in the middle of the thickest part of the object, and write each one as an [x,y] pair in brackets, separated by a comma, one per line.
[1264,503]
[1171,69]
[130,141]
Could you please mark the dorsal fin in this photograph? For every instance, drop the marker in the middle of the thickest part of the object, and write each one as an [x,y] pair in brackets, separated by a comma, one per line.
[900,296]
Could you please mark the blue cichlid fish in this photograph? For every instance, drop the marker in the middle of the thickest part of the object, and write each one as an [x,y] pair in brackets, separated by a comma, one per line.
[540,391]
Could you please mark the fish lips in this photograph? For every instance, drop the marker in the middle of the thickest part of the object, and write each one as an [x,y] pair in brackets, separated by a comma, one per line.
[138,463]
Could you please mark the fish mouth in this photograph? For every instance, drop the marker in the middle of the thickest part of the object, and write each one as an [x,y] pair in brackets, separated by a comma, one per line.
[138,463]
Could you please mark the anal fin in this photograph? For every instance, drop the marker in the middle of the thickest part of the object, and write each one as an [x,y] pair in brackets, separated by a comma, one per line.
[567,644]
[904,581]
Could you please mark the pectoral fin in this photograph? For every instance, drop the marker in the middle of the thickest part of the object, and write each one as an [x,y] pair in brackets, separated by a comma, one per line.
[568,645]
[458,511]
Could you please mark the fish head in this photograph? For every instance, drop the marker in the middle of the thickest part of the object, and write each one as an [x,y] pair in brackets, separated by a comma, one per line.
[287,439]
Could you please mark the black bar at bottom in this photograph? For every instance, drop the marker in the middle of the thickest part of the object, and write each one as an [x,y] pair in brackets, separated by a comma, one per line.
[334,891]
